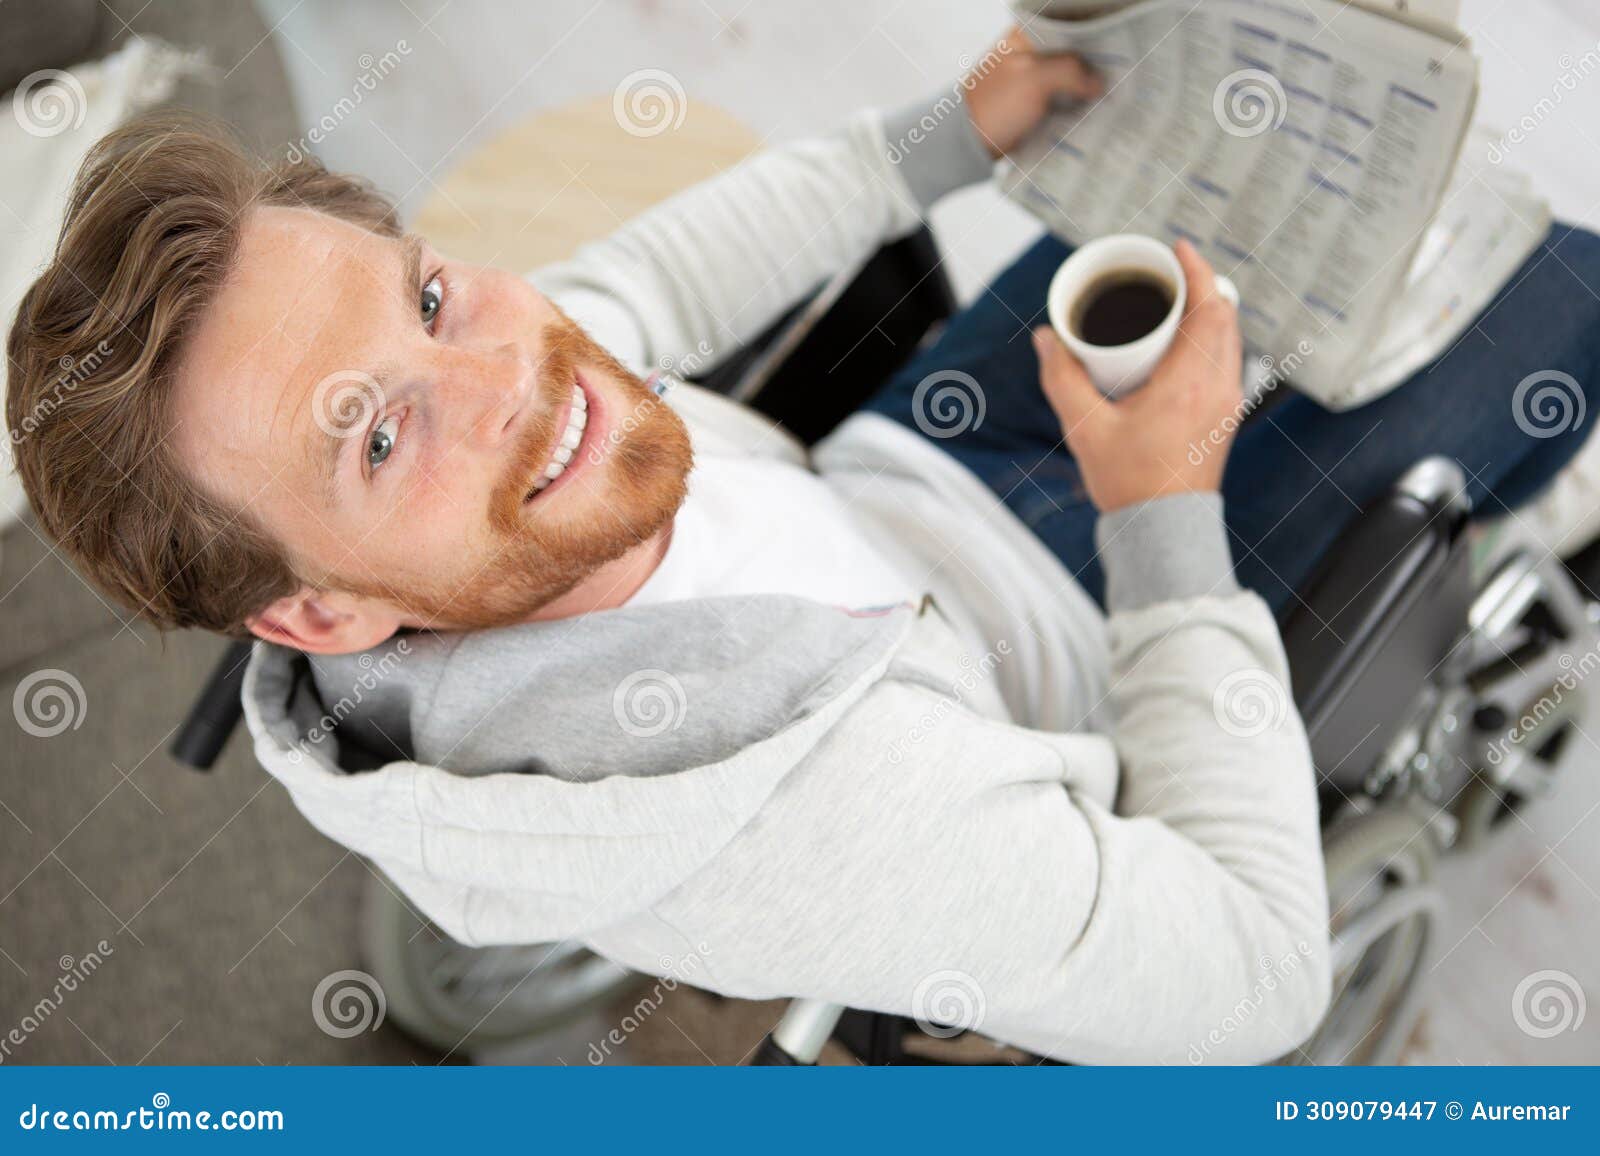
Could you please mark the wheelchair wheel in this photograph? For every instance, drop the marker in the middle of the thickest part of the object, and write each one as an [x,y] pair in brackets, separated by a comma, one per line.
[459,998]
[1384,910]
[1484,807]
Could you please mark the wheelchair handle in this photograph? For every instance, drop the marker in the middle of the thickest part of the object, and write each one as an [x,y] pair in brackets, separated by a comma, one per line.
[210,723]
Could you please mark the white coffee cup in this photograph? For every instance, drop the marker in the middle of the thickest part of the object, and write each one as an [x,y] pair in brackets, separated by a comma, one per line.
[1117,369]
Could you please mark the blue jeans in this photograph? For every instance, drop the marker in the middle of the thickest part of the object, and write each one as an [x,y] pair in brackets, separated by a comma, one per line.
[1297,472]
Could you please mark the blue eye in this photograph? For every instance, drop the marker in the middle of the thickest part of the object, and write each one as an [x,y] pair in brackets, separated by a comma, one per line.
[381,443]
[432,300]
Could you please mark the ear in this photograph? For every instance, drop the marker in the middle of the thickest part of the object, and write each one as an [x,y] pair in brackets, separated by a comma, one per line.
[320,622]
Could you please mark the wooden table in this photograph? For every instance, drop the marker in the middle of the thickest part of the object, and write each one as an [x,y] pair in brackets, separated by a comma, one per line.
[546,185]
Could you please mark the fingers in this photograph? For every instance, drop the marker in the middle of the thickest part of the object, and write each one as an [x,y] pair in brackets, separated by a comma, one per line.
[1062,73]
[1209,319]
[1066,386]
[1068,75]
[1197,276]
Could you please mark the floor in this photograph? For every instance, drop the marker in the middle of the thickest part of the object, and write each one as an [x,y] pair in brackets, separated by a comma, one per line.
[223,911]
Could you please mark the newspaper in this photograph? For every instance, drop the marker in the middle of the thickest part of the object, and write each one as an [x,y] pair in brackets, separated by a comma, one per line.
[1311,149]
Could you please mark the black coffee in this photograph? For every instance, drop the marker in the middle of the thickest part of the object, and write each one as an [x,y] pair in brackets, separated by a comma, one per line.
[1121,306]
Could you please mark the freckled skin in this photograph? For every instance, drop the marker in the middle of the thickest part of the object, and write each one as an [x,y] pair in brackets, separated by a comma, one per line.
[473,409]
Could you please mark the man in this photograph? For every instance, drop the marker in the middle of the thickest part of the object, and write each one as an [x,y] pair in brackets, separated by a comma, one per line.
[742,729]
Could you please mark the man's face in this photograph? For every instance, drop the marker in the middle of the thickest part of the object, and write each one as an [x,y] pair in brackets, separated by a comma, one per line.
[393,418]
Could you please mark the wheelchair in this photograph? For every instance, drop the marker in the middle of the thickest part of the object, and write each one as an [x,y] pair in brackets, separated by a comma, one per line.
[1430,656]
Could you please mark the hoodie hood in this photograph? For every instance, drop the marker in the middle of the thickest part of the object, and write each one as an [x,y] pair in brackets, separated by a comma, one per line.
[636,777]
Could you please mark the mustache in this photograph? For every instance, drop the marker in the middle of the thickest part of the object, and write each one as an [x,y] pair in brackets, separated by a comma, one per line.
[564,346]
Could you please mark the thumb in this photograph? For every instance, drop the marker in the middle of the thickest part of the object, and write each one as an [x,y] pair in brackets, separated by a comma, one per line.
[1066,386]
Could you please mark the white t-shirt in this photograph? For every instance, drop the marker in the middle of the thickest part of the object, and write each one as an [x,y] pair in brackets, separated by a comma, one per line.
[890,519]
[763,526]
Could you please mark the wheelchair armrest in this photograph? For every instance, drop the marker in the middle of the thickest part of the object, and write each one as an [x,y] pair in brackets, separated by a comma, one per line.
[817,365]
[1379,615]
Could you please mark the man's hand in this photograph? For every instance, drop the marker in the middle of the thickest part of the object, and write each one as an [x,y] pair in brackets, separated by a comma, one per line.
[1172,434]
[1010,89]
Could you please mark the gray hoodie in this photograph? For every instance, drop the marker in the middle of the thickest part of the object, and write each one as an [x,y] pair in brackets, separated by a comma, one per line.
[814,801]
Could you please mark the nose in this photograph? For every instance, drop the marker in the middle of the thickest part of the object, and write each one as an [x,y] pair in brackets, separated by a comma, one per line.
[486,390]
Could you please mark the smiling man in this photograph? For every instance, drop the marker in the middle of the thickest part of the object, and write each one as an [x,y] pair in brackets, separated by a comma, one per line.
[439,443]
[639,671]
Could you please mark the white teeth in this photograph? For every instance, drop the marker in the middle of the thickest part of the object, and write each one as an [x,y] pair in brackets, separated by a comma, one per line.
[577,422]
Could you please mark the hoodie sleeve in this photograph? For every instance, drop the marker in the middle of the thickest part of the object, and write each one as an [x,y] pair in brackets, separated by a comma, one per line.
[688,282]
[1208,934]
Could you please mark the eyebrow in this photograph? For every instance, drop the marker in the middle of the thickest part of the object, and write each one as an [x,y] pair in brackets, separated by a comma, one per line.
[410,265]
[332,444]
